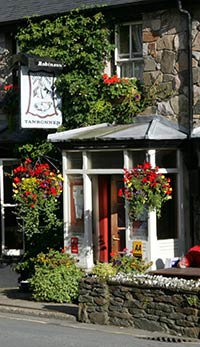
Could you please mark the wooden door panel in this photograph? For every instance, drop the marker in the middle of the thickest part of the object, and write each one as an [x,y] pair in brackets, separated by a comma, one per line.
[117,216]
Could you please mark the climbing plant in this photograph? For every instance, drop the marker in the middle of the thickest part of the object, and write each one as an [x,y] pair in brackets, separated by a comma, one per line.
[81,41]
[82,44]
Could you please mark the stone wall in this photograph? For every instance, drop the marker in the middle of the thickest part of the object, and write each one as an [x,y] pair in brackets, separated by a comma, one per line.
[165,50]
[173,311]
[166,62]
[196,66]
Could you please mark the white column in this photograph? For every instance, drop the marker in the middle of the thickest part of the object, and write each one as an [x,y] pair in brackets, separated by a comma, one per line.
[66,201]
[153,249]
[87,193]
[2,208]
[152,239]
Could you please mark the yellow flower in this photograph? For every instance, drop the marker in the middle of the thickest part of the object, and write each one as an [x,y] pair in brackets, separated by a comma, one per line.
[60,177]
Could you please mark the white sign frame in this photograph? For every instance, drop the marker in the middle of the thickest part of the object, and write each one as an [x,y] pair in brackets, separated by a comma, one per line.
[39,102]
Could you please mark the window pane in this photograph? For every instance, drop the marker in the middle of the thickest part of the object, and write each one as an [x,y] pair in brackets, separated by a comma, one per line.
[124,41]
[126,69]
[8,166]
[138,157]
[13,238]
[167,225]
[107,160]
[136,38]
[166,159]
[120,205]
[76,203]
[74,160]
[131,69]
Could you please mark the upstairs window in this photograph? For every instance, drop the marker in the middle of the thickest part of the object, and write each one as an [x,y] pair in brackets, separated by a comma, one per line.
[128,53]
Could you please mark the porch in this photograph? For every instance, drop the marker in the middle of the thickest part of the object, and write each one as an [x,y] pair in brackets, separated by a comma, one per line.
[94,159]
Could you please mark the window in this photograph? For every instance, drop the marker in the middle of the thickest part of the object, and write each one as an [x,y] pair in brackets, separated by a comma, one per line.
[128,57]
[167,225]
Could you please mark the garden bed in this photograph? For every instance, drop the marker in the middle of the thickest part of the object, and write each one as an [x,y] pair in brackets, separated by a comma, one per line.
[148,302]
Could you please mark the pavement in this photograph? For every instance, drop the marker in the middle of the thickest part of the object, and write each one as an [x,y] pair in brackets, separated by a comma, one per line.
[15,301]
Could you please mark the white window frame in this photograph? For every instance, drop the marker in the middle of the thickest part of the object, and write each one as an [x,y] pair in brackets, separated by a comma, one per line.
[120,60]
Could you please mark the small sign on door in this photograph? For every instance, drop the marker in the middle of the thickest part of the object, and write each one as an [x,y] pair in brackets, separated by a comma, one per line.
[137,248]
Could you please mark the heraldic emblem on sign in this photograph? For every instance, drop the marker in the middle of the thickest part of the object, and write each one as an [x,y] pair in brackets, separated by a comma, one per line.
[42,99]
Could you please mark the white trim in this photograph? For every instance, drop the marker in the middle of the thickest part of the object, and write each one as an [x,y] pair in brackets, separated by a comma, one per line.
[2,207]
[87,196]
[66,200]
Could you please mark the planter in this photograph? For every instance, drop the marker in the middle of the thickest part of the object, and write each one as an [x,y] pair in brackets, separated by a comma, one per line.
[118,101]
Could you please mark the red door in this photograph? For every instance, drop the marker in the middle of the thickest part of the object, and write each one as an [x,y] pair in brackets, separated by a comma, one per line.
[111,217]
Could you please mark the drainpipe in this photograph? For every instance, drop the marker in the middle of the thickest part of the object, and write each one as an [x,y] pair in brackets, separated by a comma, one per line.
[190,103]
[190,80]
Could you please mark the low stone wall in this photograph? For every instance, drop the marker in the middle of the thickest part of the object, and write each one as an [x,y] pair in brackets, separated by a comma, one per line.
[169,310]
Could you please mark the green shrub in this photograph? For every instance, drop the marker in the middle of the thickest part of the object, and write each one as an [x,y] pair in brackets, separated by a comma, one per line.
[129,263]
[25,269]
[56,277]
[121,264]
[104,270]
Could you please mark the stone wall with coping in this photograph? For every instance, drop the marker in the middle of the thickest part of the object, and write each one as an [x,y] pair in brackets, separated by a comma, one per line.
[127,304]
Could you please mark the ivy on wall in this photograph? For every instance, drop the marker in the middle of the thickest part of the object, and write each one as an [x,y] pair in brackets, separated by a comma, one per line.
[82,44]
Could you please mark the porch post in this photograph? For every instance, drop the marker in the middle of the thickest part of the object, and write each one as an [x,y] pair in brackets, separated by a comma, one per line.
[65,200]
[152,238]
[87,193]
[152,223]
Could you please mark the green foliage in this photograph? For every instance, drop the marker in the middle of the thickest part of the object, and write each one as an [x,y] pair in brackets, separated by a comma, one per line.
[56,277]
[25,268]
[125,263]
[128,263]
[37,149]
[120,99]
[192,300]
[82,44]
[104,270]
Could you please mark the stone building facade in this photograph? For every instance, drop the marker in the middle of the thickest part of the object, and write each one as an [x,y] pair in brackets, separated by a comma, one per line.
[166,49]
[166,71]
[171,59]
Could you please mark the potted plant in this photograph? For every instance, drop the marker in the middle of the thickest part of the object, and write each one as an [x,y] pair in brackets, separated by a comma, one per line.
[145,189]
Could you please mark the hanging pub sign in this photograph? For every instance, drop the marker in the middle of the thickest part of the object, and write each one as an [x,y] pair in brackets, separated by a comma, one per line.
[39,101]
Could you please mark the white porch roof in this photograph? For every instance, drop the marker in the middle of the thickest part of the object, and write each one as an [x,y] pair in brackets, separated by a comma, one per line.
[143,128]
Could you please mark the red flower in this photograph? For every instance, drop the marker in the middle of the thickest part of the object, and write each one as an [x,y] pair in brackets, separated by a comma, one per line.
[8,87]
[147,166]
[28,160]
[120,192]
[53,191]
[16,179]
